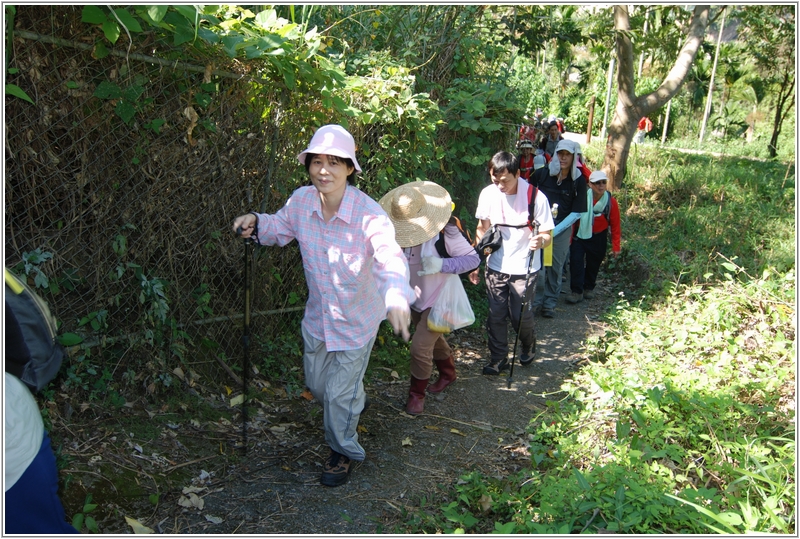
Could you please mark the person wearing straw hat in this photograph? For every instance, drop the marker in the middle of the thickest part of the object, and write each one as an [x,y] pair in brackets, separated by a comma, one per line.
[589,244]
[564,183]
[357,276]
[509,271]
[421,213]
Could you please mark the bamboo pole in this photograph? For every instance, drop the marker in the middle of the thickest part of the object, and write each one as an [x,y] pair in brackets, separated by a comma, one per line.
[707,112]
[666,122]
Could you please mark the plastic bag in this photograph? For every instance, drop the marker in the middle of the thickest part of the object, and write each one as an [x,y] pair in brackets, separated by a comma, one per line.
[452,309]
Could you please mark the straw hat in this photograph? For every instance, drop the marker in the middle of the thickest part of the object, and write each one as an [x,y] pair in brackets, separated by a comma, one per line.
[418,210]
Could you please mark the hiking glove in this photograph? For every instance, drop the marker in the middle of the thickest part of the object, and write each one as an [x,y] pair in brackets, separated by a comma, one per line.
[430,265]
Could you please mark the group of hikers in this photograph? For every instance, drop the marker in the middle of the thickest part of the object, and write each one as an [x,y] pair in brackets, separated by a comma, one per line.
[367,261]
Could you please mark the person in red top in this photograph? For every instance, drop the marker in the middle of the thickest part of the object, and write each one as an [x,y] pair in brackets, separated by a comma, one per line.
[642,128]
[589,243]
[525,158]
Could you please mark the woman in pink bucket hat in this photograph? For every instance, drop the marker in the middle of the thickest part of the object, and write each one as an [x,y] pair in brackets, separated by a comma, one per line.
[357,276]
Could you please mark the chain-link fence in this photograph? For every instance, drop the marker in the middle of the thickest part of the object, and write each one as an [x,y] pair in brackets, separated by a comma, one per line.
[122,178]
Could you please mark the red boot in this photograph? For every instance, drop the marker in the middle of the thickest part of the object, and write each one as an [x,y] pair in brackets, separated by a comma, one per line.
[447,375]
[416,396]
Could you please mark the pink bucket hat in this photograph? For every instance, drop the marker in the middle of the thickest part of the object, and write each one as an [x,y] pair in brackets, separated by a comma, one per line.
[332,140]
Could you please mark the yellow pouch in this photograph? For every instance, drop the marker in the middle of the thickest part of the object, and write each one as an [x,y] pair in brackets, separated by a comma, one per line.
[548,255]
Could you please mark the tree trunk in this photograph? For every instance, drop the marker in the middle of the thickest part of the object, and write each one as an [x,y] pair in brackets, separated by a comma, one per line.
[630,107]
[781,107]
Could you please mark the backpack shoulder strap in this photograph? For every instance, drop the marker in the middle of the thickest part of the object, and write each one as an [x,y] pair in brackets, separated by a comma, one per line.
[441,248]
[607,209]
[532,192]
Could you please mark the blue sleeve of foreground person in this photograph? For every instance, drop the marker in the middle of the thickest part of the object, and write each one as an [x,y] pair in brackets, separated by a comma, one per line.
[568,221]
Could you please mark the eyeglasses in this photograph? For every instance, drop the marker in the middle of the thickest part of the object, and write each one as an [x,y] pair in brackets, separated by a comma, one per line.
[600,182]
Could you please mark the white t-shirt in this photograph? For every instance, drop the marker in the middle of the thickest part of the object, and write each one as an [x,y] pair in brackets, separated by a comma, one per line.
[498,208]
[24,429]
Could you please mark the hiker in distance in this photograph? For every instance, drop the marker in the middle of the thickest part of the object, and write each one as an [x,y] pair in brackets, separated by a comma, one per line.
[357,276]
[505,201]
[435,249]
[590,241]
[564,183]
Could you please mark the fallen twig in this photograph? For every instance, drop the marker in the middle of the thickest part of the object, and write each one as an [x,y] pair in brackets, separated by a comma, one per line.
[173,468]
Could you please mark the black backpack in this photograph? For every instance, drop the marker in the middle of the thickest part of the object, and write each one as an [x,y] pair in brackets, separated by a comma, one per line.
[32,352]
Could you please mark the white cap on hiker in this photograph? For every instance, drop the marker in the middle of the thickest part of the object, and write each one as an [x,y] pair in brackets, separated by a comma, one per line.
[332,140]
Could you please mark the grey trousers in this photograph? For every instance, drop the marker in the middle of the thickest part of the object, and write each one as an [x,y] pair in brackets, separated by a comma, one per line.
[547,296]
[505,302]
[336,381]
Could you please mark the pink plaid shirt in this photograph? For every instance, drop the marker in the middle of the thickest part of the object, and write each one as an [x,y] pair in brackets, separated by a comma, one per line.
[354,268]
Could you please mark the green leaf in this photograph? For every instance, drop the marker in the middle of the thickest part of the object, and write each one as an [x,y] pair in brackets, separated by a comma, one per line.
[133,92]
[208,35]
[107,90]
[127,19]
[506,529]
[266,19]
[100,51]
[184,32]
[620,495]
[77,521]
[93,15]
[229,44]
[125,111]
[252,52]
[157,12]
[111,30]
[70,339]
[189,12]
[202,99]
[582,482]
[270,41]
[155,125]
[13,89]
[41,280]
[91,524]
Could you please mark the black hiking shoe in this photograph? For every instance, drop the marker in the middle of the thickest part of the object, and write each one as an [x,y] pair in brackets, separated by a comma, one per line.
[496,367]
[336,470]
[527,355]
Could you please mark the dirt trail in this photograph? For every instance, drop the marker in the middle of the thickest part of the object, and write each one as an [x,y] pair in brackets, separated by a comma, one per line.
[475,424]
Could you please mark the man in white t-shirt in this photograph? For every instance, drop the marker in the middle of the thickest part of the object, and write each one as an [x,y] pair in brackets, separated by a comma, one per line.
[505,202]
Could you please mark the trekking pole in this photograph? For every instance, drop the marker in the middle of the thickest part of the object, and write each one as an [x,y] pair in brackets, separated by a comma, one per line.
[248,278]
[522,307]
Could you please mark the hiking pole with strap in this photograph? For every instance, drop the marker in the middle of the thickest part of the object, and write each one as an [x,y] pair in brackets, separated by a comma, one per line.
[524,301]
[248,284]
